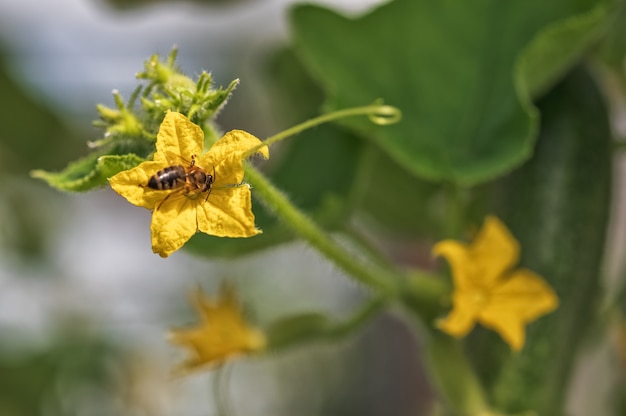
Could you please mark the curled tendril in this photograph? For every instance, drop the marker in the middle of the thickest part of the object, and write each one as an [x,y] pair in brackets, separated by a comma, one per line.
[377,113]
[384,115]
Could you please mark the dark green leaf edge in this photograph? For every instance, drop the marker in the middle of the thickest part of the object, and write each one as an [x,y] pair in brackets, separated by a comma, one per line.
[565,41]
[531,79]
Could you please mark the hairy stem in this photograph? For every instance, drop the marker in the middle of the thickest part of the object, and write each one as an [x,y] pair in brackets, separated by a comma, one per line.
[383,281]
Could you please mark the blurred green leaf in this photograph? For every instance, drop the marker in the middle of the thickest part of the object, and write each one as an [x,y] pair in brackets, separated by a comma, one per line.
[613,49]
[56,380]
[449,66]
[384,184]
[560,45]
[30,133]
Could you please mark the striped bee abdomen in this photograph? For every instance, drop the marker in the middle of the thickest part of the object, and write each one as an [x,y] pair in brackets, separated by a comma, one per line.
[171,177]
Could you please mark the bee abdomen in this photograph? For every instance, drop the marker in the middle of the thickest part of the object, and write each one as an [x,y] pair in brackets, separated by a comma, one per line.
[169,178]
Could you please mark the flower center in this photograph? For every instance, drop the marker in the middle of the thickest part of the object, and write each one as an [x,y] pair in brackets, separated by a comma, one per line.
[479,298]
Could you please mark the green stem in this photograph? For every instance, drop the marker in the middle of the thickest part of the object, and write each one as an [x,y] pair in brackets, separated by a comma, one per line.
[372,252]
[377,113]
[221,380]
[383,281]
[456,381]
[454,221]
[361,317]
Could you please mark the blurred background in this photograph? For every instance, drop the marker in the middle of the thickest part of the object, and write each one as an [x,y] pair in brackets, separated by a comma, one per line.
[84,304]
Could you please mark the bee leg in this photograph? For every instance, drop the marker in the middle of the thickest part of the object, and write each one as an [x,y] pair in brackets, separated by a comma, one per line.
[177,192]
[161,203]
[211,182]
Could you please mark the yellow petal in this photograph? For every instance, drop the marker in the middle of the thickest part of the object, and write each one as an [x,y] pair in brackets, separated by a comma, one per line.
[229,171]
[131,184]
[462,318]
[204,306]
[226,155]
[495,247]
[460,261]
[481,263]
[208,310]
[228,213]
[518,300]
[221,334]
[178,137]
[173,223]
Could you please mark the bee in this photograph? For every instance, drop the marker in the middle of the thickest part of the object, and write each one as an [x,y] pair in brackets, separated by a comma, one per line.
[182,180]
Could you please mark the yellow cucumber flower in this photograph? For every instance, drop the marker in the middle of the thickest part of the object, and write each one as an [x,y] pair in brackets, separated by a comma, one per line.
[188,191]
[221,334]
[487,288]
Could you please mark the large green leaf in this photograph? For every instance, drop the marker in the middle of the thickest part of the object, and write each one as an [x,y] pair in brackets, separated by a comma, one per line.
[461,71]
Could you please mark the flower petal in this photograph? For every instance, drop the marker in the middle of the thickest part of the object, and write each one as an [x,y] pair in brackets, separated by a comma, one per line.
[221,334]
[461,318]
[520,299]
[457,255]
[228,213]
[179,138]
[481,263]
[226,154]
[495,247]
[173,223]
[131,184]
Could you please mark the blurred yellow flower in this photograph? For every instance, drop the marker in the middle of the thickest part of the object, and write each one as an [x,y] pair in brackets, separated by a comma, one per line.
[221,334]
[487,288]
[189,191]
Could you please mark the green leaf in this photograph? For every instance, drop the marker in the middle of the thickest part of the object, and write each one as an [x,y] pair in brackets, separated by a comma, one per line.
[560,44]
[73,358]
[384,183]
[89,172]
[449,66]
[613,49]
[31,135]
